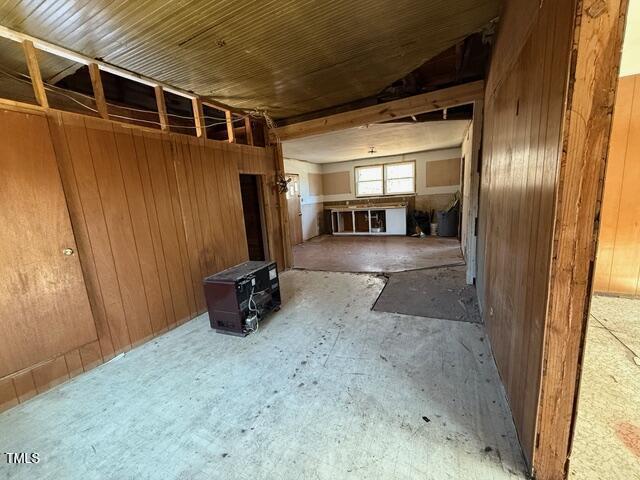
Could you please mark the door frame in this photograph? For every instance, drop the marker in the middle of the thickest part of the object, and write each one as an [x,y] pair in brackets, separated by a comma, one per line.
[299,220]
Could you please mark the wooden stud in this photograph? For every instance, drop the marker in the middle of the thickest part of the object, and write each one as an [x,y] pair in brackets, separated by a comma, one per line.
[34,73]
[198,117]
[98,91]
[162,108]
[249,130]
[230,133]
[426,102]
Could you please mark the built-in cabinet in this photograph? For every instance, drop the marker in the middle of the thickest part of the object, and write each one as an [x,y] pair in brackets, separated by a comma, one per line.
[374,220]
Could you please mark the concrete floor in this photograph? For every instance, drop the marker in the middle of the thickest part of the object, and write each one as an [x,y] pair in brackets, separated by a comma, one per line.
[607,435]
[371,254]
[327,389]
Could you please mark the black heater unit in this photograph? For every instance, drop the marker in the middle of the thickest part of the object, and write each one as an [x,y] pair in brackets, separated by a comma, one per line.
[239,297]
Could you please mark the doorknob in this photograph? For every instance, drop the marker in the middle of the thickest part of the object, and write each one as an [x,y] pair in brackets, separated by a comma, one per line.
[68,252]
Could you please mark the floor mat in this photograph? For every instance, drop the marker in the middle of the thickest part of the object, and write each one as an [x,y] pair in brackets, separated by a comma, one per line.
[434,293]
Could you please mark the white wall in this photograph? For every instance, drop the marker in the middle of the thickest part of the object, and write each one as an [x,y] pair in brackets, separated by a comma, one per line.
[311,205]
[421,159]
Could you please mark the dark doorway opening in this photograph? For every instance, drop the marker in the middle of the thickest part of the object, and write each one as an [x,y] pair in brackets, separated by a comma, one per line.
[252,209]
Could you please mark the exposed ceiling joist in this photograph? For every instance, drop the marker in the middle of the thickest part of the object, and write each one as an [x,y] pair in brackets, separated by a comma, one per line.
[426,102]
[121,72]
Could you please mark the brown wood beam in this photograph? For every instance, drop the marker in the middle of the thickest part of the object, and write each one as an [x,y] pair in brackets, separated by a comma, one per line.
[283,208]
[593,79]
[34,73]
[230,132]
[98,91]
[198,116]
[162,108]
[423,103]
[249,129]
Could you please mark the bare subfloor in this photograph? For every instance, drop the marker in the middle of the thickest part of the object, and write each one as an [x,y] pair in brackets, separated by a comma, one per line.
[373,254]
[607,435]
[327,389]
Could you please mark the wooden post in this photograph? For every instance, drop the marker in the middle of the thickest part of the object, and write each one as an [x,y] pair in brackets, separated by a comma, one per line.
[34,73]
[249,130]
[198,116]
[232,136]
[162,109]
[284,209]
[593,79]
[98,91]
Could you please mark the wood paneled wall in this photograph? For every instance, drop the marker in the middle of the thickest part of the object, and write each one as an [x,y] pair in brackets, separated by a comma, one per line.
[547,117]
[523,118]
[153,213]
[618,260]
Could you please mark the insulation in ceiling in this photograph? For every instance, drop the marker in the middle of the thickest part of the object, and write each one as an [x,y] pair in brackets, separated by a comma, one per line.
[287,56]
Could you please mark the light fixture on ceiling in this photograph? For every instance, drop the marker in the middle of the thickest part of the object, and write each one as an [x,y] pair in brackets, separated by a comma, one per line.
[372,150]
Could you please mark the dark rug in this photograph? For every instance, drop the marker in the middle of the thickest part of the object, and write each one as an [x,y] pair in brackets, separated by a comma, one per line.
[435,293]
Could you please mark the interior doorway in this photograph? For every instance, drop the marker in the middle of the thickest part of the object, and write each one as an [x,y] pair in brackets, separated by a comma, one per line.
[295,209]
[253,216]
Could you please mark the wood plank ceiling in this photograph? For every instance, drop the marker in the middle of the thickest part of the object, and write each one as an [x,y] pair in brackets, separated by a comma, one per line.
[287,56]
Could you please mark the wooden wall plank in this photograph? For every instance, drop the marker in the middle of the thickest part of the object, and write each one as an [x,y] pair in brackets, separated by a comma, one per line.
[173,156]
[613,183]
[8,395]
[154,226]
[190,222]
[141,228]
[74,363]
[50,374]
[106,162]
[98,237]
[625,262]
[90,356]
[25,386]
[167,226]
[208,256]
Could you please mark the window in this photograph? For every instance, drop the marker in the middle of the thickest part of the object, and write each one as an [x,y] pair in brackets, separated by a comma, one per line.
[399,178]
[369,181]
[389,179]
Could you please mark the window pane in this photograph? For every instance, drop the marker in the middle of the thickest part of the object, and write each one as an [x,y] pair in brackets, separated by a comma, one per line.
[400,185]
[364,174]
[370,188]
[399,170]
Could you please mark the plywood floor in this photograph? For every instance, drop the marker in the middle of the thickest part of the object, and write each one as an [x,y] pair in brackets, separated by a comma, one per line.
[327,389]
[607,435]
[433,292]
[373,254]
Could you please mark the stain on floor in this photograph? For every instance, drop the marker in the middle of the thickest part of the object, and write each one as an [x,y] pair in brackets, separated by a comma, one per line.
[371,254]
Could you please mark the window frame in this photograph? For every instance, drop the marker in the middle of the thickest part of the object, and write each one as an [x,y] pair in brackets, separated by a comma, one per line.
[355,178]
[384,179]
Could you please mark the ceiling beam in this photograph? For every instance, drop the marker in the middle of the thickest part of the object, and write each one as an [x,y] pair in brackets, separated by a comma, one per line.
[404,107]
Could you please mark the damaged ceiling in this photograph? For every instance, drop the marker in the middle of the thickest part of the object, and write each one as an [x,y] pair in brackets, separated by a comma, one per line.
[287,56]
